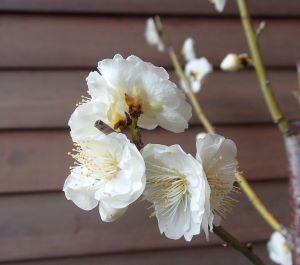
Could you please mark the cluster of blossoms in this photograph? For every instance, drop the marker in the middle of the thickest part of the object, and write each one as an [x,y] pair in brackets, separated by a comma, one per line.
[195,70]
[194,193]
[186,193]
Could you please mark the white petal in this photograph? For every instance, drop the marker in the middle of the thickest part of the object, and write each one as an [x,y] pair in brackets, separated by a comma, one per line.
[188,51]
[119,73]
[152,36]
[78,188]
[82,120]
[98,87]
[109,214]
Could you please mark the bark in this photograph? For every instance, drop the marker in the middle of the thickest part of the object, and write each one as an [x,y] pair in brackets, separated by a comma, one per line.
[292,142]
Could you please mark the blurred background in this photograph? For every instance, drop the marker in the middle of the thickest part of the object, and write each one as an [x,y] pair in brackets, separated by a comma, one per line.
[47,49]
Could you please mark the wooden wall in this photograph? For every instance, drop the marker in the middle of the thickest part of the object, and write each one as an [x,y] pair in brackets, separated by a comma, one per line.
[47,49]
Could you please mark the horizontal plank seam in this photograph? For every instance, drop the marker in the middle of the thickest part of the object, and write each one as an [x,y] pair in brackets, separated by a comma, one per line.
[93,68]
[56,191]
[132,252]
[137,14]
[191,126]
[66,128]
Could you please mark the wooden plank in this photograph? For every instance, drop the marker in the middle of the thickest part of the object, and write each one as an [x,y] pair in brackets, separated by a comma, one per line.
[49,97]
[188,256]
[47,225]
[38,160]
[79,41]
[188,7]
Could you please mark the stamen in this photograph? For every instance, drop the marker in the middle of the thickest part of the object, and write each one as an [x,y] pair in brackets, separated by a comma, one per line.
[101,169]
[167,188]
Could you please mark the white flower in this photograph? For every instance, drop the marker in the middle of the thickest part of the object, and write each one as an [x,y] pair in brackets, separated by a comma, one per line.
[232,62]
[218,158]
[152,35]
[195,71]
[178,190]
[144,85]
[219,4]
[279,250]
[124,85]
[110,172]
[187,50]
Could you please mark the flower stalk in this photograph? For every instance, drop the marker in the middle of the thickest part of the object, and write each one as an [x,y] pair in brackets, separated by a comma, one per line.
[267,91]
[244,184]
[290,131]
[136,135]
[257,203]
[234,243]
[180,73]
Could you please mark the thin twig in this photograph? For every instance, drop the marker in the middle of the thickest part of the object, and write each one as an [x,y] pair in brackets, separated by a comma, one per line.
[136,135]
[260,69]
[236,244]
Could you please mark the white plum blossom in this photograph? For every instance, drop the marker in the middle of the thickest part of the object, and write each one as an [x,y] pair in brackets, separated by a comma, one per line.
[125,84]
[152,35]
[142,84]
[219,4]
[109,171]
[231,63]
[188,50]
[178,191]
[279,250]
[218,158]
[196,70]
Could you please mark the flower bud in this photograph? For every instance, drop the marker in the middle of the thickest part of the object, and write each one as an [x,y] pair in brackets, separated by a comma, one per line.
[232,62]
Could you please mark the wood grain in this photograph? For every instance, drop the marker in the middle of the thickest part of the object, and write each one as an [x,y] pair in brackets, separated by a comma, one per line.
[79,41]
[47,225]
[176,7]
[44,99]
[38,160]
[187,256]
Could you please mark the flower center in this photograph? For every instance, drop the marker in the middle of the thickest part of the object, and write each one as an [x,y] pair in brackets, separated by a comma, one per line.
[109,167]
[139,98]
[102,169]
[194,75]
[167,188]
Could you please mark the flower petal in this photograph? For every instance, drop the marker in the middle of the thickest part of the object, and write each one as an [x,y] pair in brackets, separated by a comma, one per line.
[82,120]
[109,214]
[79,189]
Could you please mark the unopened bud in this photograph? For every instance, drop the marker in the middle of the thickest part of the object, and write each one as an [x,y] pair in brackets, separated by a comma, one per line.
[232,62]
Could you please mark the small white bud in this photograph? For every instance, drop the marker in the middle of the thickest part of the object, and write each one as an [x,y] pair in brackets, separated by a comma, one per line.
[187,50]
[231,63]
[219,4]
[152,36]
